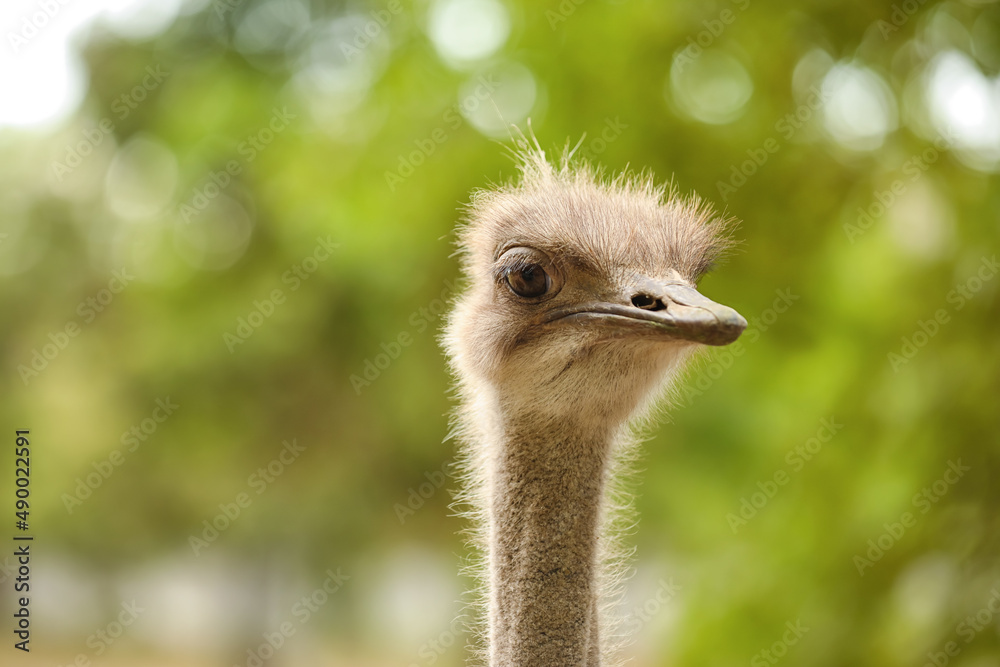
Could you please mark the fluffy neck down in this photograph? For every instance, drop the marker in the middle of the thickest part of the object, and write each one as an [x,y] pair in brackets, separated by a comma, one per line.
[545,512]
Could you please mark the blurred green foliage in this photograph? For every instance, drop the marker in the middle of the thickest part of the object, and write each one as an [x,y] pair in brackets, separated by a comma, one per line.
[327,175]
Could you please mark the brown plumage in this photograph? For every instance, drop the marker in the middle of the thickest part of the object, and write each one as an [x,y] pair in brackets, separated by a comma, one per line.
[580,308]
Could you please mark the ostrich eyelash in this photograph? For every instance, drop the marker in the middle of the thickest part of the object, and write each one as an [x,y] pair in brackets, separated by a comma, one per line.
[517,263]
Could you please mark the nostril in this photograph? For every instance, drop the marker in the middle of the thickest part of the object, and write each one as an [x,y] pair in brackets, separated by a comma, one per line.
[647,302]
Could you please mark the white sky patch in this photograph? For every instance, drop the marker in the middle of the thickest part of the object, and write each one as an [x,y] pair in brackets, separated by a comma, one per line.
[42,75]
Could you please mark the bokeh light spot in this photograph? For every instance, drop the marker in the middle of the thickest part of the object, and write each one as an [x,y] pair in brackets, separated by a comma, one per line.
[270,27]
[921,220]
[216,237]
[336,70]
[860,109]
[713,89]
[493,101]
[964,106]
[142,178]
[468,30]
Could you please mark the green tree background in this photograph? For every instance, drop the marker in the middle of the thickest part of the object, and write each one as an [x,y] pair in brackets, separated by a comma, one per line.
[778,491]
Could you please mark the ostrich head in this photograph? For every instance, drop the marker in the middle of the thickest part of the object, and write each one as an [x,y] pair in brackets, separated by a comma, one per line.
[581,302]
[581,296]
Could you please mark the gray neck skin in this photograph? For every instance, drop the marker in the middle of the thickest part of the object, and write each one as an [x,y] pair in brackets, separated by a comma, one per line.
[544,515]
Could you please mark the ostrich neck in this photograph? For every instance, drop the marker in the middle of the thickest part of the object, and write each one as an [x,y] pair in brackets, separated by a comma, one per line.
[544,513]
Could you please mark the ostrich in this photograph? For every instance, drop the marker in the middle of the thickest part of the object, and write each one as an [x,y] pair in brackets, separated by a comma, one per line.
[580,307]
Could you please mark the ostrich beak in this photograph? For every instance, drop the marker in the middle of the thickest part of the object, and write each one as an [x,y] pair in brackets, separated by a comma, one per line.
[697,318]
[665,311]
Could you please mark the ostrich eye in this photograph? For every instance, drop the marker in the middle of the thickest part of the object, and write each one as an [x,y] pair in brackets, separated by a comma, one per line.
[528,273]
[529,281]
